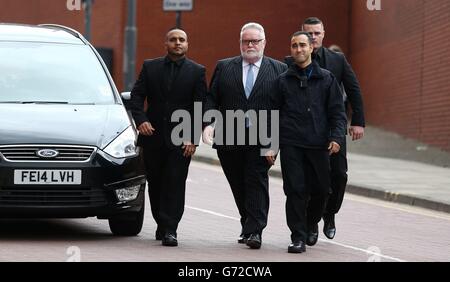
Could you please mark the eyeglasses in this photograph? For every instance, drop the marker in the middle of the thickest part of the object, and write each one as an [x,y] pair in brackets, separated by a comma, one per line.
[254,42]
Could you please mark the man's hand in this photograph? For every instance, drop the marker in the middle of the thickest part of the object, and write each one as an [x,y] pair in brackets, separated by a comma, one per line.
[208,135]
[271,157]
[189,149]
[356,132]
[146,128]
[333,148]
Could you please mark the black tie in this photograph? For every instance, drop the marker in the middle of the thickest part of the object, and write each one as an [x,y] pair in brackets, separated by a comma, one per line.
[171,76]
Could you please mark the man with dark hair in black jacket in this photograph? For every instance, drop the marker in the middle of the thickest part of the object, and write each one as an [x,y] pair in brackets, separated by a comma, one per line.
[338,65]
[312,127]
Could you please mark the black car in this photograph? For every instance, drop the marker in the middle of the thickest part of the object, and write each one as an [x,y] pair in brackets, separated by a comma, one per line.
[67,144]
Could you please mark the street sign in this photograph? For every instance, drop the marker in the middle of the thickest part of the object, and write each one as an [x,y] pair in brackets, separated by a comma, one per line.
[178,5]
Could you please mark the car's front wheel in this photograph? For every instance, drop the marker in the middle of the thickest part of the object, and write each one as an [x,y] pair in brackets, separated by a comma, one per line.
[127,224]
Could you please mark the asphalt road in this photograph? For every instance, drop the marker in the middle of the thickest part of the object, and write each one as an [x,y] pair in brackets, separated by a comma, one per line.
[367,230]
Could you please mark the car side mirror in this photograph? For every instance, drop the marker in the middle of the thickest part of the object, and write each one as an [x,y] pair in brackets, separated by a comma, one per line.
[126,96]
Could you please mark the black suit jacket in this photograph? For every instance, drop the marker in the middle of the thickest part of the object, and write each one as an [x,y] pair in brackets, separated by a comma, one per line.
[338,65]
[188,87]
[227,89]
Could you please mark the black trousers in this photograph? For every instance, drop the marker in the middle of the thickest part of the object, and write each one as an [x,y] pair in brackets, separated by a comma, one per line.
[338,174]
[167,171]
[247,174]
[306,184]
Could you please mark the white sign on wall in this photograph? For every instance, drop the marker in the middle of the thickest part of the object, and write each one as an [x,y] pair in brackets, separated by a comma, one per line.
[178,5]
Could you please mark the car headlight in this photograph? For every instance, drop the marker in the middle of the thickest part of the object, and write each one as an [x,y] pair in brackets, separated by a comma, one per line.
[124,145]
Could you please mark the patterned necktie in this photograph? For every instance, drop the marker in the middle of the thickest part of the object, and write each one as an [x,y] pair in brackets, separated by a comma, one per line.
[249,82]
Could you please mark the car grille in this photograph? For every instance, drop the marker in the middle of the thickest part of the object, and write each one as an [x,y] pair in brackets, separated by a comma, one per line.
[28,153]
[51,197]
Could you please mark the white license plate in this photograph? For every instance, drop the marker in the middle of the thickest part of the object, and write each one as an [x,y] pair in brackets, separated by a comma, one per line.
[48,177]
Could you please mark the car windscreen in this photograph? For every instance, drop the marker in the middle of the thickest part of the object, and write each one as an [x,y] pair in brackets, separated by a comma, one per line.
[32,72]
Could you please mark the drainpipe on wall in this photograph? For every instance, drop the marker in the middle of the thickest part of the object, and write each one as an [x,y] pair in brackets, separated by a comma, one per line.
[129,63]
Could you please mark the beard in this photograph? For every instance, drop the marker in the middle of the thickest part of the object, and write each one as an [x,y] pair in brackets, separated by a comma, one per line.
[252,55]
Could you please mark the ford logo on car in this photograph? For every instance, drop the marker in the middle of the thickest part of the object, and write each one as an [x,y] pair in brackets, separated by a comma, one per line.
[47,153]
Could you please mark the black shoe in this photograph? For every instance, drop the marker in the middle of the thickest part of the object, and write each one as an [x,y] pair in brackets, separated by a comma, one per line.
[312,236]
[296,247]
[243,239]
[159,235]
[170,240]
[329,228]
[254,241]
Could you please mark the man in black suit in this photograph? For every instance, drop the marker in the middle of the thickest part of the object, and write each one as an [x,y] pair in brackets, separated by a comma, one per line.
[169,84]
[345,76]
[244,83]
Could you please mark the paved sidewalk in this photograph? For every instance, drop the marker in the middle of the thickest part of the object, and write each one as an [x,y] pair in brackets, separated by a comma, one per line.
[388,179]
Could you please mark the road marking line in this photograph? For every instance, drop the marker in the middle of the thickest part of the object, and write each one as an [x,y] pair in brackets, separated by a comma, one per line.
[213,213]
[323,240]
[372,201]
[361,250]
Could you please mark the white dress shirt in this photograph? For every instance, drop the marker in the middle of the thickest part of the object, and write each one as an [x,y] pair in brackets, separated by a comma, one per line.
[255,69]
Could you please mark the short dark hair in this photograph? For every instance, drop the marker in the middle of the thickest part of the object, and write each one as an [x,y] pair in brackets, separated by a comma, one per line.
[298,33]
[312,21]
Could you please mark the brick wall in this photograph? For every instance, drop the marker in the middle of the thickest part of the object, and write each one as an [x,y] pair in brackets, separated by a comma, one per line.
[401,55]
[214,26]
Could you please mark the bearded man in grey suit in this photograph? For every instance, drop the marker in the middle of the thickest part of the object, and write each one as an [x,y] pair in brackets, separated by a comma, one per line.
[244,83]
